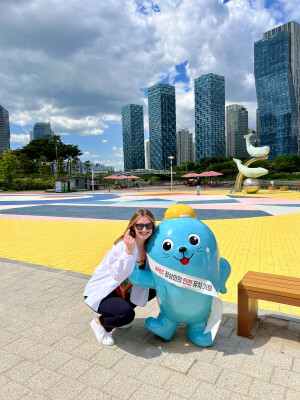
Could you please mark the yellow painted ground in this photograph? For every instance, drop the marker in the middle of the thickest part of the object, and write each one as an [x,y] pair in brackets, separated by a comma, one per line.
[266,244]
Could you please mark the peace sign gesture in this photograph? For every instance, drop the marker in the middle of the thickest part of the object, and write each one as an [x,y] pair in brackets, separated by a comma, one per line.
[130,242]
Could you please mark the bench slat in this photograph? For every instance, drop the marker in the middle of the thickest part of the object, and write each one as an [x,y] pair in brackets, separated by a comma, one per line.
[292,293]
[263,275]
[281,283]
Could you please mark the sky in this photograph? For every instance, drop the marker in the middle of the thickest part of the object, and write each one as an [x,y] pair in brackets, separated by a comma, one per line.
[75,63]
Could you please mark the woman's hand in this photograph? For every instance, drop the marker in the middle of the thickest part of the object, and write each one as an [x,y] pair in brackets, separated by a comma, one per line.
[130,242]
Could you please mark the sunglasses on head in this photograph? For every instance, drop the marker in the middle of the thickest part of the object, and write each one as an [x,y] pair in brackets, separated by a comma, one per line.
[140,227]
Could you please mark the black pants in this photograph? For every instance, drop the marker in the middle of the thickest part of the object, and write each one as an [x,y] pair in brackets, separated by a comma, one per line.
[116,311]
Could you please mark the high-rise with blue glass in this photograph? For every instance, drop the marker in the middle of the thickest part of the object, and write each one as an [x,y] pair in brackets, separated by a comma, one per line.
[162,125]
[209,116]
[4,130]
[277,80]
[42,130]
[133,137]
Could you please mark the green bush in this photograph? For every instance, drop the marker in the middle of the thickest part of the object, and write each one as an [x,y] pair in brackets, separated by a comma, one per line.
[32,184]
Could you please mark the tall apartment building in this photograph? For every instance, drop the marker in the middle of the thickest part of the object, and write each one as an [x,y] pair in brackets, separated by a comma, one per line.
[210,116]
[4,130]
[277,80]
[41,130]
[237,127]
[185,146]
[162,125]
[133,137]
[147,154]
[192,148]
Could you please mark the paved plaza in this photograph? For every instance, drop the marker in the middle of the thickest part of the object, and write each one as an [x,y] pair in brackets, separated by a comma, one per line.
[50,244]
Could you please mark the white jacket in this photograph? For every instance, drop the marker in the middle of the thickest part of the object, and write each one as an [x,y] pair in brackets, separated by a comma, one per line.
[116,266]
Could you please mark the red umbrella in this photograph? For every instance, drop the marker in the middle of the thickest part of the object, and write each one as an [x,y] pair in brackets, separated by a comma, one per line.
[190,175]
[111,177]
[133,177]
[122,177]
[210,173]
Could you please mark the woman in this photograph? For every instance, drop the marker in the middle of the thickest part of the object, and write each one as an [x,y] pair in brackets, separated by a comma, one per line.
[109,291]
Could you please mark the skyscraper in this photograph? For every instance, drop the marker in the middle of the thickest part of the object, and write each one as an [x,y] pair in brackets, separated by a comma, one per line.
[42,130]
[4,130]
[210,116]
[162,125]
[237,127]
[147,154]
[185,149]
[133,136]
[277,80]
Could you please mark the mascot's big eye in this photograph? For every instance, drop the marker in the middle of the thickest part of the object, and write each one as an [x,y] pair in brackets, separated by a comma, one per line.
[167,244]
[194,239]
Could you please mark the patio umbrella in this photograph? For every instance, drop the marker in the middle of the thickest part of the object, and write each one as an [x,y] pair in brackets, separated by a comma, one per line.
[111,177]
[133,177]
[210,173]
[122,177]
[190,175]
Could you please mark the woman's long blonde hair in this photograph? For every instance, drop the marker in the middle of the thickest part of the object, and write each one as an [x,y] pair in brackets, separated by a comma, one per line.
[135,217]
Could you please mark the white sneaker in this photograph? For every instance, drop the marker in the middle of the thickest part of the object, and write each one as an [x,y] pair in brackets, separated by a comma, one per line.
[125,326]
[101,334]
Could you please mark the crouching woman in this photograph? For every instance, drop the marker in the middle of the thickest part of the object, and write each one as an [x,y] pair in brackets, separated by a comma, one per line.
[109,291]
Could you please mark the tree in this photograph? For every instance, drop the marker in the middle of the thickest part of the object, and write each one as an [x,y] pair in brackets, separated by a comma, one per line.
[27,166]
[9,165]
[75,166]
[50,149]
[60,165]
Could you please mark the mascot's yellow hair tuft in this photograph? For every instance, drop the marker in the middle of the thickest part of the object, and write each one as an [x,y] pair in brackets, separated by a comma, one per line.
[180,211]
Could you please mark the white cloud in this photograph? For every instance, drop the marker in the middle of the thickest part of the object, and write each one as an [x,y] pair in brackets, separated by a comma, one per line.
[88,155]
[118,165]
[79,70]
[117,152]
[92,132]
[104,141]
[20,138]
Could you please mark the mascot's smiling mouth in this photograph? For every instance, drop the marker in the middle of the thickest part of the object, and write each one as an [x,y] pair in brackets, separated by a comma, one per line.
[184,260]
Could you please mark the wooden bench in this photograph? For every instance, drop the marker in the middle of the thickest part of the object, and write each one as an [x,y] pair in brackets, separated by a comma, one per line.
[260,286]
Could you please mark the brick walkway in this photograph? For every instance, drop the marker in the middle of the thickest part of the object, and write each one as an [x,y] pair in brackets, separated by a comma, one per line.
[48,350]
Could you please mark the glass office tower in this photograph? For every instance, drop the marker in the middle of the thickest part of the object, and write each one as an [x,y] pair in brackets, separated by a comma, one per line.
[4,130]
[277,80]
[42,130]
[133,137]
[209,116]
[237,128]
[162,125]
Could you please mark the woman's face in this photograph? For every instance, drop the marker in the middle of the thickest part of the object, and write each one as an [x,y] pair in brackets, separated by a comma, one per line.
[143,228]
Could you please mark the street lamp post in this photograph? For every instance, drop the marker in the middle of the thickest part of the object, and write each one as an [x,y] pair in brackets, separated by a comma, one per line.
[92,176]
[171,161]
[56,160]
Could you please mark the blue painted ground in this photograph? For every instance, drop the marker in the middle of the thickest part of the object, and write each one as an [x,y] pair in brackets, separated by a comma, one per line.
[79,200]
[124,213]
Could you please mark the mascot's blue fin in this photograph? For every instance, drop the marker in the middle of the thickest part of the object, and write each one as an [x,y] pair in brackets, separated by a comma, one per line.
[142,278]
[225,270]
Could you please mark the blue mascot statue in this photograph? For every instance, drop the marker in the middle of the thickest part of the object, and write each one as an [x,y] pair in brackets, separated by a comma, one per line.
[187,273]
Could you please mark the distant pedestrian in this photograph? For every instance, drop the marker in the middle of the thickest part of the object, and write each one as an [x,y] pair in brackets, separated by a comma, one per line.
[109,291]
[198,183]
